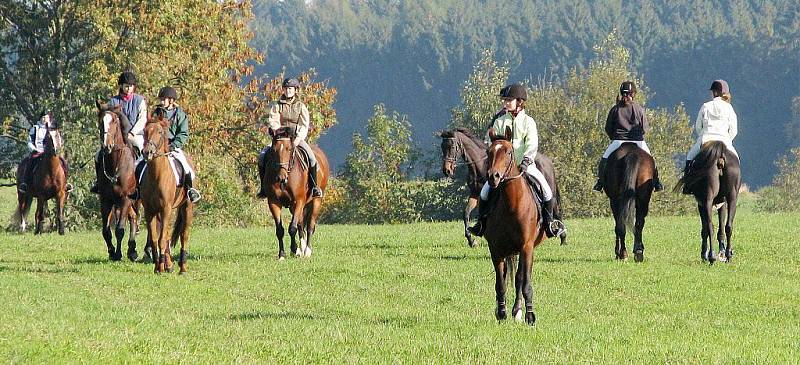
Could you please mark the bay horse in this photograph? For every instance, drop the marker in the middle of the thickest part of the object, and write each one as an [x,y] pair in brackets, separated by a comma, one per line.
[116,182]
[513,226]
[48,181]
[286,176]
[714,179]
[461,143]
[160,195]
[628,183]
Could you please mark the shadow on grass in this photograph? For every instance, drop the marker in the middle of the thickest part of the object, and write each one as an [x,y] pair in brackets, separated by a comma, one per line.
[569,260]
[455,257]
[397,321]
[272,315]
[41,270]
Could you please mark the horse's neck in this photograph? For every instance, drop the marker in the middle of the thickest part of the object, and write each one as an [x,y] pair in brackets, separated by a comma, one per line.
[473,154]
[159,168]
[517,195]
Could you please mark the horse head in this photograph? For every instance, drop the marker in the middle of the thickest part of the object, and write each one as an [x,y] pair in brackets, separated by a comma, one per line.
[110,126]
[450,152]
[156,135]
[283,145]
[500,156]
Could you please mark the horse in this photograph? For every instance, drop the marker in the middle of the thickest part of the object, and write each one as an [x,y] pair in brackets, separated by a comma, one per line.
[48,181]
[461,143]
[160,195]
[628,183]
[512,226]
[714,179]
[287,178]
[116,182]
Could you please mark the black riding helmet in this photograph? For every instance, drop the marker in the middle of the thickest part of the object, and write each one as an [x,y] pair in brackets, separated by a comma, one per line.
[291,82]
[627,88]
[127,77]
[515,91]
[168,92]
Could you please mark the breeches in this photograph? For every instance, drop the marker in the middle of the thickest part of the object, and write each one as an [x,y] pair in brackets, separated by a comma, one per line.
[616,143]
[537,175]
[699,143]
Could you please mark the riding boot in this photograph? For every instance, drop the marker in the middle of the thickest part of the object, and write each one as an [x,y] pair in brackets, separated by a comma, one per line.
[316,192]
[686,169]
[483,213]
[601,173]
[262,191]
[23,185]
[657,186]
[552,227]
[191,192]
[98,169]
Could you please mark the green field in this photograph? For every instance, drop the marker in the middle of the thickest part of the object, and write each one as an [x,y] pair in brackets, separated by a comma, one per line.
[404,294]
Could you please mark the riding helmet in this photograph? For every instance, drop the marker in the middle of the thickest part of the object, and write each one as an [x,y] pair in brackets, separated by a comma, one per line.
[627,88]
[168,92]
[291,82]
[721,86]
[515,91]
[503,91]
[127,77]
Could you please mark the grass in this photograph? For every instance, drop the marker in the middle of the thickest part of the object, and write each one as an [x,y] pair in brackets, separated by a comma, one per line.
[405,294]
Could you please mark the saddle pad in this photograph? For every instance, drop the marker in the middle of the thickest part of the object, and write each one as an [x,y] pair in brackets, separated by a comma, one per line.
[177,170]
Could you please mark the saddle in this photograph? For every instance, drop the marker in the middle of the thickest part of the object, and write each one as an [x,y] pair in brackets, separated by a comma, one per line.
[177,170]
[536,190]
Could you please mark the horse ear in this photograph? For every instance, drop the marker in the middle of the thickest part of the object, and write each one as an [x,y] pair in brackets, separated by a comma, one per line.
[508,133]
[438,133]
[98,104]
[492,134]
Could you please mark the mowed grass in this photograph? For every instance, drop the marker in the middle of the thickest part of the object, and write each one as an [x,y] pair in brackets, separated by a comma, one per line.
[404,294]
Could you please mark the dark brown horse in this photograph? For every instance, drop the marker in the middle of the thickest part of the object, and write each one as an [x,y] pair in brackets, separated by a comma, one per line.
[48,181]
[116,182]
[460,143]
[160,195]
[628,183]
[512,226]
[287,177]
[714,179]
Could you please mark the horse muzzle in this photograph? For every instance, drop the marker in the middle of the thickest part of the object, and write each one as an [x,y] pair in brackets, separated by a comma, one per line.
[448,170]
[494,178]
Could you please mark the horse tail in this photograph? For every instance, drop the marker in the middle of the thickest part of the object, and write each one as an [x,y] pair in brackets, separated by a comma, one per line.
[628,194]
[709,155]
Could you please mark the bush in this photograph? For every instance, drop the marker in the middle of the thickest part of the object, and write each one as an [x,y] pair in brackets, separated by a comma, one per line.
[784,193]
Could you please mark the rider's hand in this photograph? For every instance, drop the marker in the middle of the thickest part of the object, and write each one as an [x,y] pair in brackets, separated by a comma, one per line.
[525,163]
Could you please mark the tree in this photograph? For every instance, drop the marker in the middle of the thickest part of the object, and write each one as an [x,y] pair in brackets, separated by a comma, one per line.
[479,95]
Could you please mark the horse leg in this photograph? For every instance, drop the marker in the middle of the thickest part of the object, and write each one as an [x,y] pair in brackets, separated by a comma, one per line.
[61,199]
[188,216]
[295,226]
[311,223]
[722,213]
[638,242]
[119,231]
[706,250]
[500,287]
[23,206]
[526,266]
[41,205]
[519,280]
[472,202]
[152,236]
[729,224]
[105,215]
[133,228]
[164,241]
[275,209]
[619,231]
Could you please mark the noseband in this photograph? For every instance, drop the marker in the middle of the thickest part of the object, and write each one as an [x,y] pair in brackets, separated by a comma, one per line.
[504,177]
[161,140]
[288,164]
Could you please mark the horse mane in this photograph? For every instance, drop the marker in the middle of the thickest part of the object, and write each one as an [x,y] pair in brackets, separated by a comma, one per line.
[467,132]
[709,154]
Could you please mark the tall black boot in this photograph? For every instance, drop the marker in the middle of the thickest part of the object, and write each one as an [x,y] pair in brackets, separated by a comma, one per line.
[312,177]
[23,185]
[193,194]
[483,213]
[98,170]
[262,190]
[552,227]
[601,173]
[657,186]
[686,170]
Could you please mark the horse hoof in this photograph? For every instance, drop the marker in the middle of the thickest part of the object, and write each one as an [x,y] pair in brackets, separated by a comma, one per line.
[530,318]
[183,272]
[61,231]
[169,269]
[281,258]
[638,256]
[518,316]
[132,255]
[501,315]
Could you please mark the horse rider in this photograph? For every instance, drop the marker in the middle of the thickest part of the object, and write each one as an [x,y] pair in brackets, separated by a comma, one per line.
[290,111]
[525,141]
[178,136]
[716,121]
[36,137]
[134,108]
[626,123]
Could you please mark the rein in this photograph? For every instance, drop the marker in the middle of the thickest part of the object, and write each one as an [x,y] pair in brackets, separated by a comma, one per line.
[289,164]
[505,178]
[459,146]
[161,141]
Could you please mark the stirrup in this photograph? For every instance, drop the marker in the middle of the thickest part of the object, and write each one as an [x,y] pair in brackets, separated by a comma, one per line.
[193,195]
[22,188]
[69,187]
[657,186]
[598,186]
[94,189]
[316,192]
[557,227]
[478,229]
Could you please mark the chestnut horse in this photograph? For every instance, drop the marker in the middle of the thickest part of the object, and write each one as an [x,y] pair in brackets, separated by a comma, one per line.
[116,181]
[628,183]
[48,181]
[714,179]
[512,226]
[461,143]
[160,195]
[287,178]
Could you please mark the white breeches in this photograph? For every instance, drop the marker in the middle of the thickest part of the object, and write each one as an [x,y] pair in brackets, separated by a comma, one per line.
[138,141]
[696,147]
[181,157]
[533,171]
[616,143]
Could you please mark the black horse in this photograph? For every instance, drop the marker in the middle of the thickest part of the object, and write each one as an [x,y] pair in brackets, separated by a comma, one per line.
[714,179]
[460,143]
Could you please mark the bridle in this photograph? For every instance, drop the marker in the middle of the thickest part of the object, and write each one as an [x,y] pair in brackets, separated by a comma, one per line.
[504,177]
[459,150]
[113,179]
[161,141]
[288,165]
